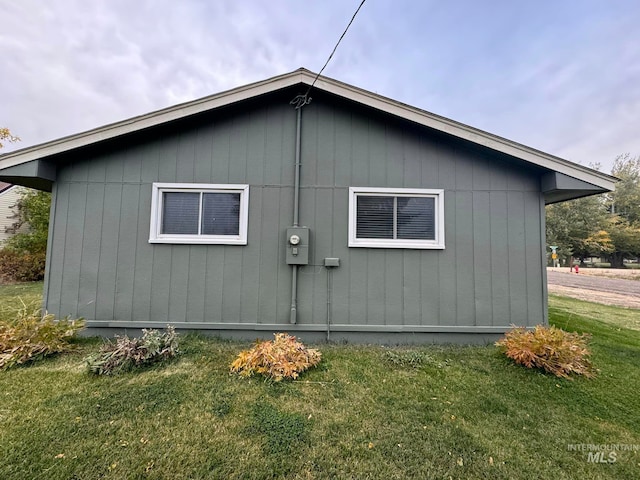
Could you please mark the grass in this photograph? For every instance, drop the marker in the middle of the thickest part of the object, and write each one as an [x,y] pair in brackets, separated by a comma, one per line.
[365,412]
[18,296]
[565,307]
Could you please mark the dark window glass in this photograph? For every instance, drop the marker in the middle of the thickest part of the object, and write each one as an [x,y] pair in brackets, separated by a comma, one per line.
[221,214]
[374,217]
[180,215]
[416,218]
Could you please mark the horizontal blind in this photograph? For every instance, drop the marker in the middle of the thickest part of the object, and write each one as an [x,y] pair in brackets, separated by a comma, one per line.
[374,216]
[221,214]
[416,218]
[180,213]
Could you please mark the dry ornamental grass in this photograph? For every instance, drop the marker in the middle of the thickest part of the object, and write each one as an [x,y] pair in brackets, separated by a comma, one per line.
[278,359]
[549,348]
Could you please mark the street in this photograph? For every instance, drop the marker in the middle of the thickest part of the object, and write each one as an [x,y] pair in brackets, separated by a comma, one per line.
[596,286]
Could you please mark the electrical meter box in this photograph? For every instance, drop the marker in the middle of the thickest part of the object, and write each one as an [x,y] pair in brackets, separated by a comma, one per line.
[298,246]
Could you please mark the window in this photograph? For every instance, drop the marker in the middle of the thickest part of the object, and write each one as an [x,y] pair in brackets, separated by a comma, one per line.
[199,213]
[396,218]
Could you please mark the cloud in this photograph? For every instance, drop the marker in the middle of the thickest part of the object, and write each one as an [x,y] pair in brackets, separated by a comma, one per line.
[560,77]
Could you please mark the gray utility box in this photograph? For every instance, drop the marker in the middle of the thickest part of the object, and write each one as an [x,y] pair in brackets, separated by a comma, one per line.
[331,262]
[298,246]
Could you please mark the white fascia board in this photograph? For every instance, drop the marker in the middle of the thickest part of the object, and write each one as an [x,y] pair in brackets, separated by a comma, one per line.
[370,99]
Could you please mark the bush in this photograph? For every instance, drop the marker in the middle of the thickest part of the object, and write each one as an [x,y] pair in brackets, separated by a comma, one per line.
[21,266]
[33,336]
[550,349]
[278,359]
[31,209]
[23,257]
[126,353]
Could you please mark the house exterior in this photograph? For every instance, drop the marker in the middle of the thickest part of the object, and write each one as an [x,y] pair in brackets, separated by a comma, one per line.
[9,196]
[351,216]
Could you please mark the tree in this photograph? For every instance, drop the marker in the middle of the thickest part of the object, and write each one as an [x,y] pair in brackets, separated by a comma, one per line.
[5,135]
[578,227]
[23,255]
[626,241]
[32,209]
[624,205]
[600,243]
[625,200]
[604,225]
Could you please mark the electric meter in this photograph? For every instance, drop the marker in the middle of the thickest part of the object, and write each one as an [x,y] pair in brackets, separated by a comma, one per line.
[297,239]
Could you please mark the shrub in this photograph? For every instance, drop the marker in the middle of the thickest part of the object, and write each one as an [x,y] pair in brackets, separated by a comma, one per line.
[31,209]
[33,336]
[23,257]
[550,349]
[21,266]
[283,357]
[126,353]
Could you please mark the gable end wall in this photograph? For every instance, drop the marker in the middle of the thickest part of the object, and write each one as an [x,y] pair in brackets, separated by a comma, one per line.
[490,275]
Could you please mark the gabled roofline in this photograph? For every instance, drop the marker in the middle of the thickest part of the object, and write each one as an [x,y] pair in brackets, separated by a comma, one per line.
[393,107]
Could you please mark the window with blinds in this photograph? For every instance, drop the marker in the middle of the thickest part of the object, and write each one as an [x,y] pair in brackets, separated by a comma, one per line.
[199,213]
[396,218]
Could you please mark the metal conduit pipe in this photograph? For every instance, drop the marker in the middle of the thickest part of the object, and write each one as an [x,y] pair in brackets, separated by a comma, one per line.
[329,272]
[299,102]
[296,181]
[294,294]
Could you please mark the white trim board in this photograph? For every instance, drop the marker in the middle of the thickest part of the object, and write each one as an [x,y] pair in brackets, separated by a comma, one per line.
[436,194]
[155,224]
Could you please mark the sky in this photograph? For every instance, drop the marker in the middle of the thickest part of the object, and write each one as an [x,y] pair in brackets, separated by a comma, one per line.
[559,76]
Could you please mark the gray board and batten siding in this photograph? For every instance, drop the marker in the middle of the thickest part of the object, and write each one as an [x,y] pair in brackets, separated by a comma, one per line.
[490,275]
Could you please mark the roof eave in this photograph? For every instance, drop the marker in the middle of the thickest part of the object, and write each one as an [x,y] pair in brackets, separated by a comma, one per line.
[469,133]
[148,120]
[336,87]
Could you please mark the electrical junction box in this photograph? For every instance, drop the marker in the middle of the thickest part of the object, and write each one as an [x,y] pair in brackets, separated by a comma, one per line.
[331,262]
[298,246]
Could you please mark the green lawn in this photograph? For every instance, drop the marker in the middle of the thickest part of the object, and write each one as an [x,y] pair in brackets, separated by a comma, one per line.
[16,297]
[464,412]
[620,317]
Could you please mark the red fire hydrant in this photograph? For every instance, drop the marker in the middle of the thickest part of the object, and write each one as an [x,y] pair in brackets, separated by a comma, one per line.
[577,268]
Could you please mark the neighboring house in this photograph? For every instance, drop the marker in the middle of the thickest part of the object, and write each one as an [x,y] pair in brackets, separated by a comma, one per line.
[406,226]
[9,196]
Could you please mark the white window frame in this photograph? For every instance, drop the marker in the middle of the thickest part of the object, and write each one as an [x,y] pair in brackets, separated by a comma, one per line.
[155,235]
[436,194]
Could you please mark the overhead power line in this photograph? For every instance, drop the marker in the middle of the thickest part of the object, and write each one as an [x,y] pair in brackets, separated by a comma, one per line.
[334,48]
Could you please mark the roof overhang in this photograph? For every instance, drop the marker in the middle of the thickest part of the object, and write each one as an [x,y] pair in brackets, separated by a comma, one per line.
[601,181]
[557,187]
[38,174]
